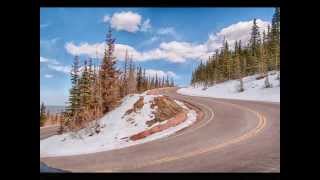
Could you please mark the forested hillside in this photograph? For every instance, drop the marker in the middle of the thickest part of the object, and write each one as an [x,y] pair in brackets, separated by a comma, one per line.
[98,89]
[258,56]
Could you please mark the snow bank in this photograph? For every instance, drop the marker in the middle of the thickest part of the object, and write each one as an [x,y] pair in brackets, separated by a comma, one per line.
[253,89]
[117,128]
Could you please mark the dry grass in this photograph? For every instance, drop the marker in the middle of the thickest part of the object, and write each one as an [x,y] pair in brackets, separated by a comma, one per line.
[167,109]
[137,105]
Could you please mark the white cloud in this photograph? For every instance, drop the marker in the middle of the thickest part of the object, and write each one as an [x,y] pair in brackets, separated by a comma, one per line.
[145,25]
[106,18]
[173,51]
[55,65]
[180,51]
[49,61]
[49,44]
[127,21]
[43,60]
[239,31]
[48,75]
[166,31]
[160,73]
[150,41]
[60,68]
[91,50]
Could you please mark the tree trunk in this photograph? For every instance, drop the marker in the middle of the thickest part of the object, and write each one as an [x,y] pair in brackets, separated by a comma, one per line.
[266,82]
[241,85]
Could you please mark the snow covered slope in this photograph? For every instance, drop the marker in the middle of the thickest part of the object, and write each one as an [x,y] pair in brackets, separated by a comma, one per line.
[253,89]
[117,127]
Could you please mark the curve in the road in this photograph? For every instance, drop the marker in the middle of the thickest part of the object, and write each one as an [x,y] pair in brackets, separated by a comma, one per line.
[252,132]
[226,140]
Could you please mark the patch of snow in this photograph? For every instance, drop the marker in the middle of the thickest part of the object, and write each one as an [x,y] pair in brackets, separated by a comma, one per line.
[117,128]
[253,89]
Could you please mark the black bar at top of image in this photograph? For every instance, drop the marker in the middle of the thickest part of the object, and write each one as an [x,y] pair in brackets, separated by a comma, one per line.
[159,3]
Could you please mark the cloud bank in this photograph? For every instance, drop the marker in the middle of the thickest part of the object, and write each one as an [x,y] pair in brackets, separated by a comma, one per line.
[173,51]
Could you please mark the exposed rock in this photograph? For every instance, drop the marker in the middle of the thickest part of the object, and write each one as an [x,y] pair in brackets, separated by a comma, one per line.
[166,109]
[137,105]
[179,118]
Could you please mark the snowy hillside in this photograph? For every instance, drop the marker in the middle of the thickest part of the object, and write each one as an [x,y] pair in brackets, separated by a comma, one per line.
[253,89]
[118,125]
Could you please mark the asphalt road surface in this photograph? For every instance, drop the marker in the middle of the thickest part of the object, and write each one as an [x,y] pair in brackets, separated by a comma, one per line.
[232,136]
[48,131]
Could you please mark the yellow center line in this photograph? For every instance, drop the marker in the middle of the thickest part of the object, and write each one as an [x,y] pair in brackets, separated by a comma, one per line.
[261,124]
[192,130]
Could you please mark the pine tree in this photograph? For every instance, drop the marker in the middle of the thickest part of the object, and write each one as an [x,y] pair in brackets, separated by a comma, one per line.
[85,96]
[62,122]
[167,81]
[125,74]
[109,76]
[227,61]
[264,61]
[259,55]
[152,83]
[276,25]
[255,42]
[97,95]
[237,65]
[275,38]
[145,80]
[72,109]
[92,81]
[255,38]
[235,56]
[172,83]
[132,81]
[156,83]
[139,80]
[43,116]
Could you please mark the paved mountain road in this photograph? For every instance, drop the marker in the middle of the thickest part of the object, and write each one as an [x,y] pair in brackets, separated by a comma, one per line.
[232,136]
[48,131]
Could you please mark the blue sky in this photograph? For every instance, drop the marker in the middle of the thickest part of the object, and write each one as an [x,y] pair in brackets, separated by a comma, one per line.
[167,41]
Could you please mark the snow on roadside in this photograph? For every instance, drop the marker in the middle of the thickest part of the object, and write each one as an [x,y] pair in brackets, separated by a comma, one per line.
[253,89]
[117,127]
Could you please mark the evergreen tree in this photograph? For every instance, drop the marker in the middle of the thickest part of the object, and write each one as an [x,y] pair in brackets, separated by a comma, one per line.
[109,76]
[152,83]
[172,83]
[227,61]
[85,96]
[98,110]
[72,109]
[43,116]
[264,61]
[145,80]
[163,82]
[139,80]
[132,81]
[259,55]
[255,42]
[156,83]
[275,38]
[125,75]
[167,81]
[255,38]
[237,66]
